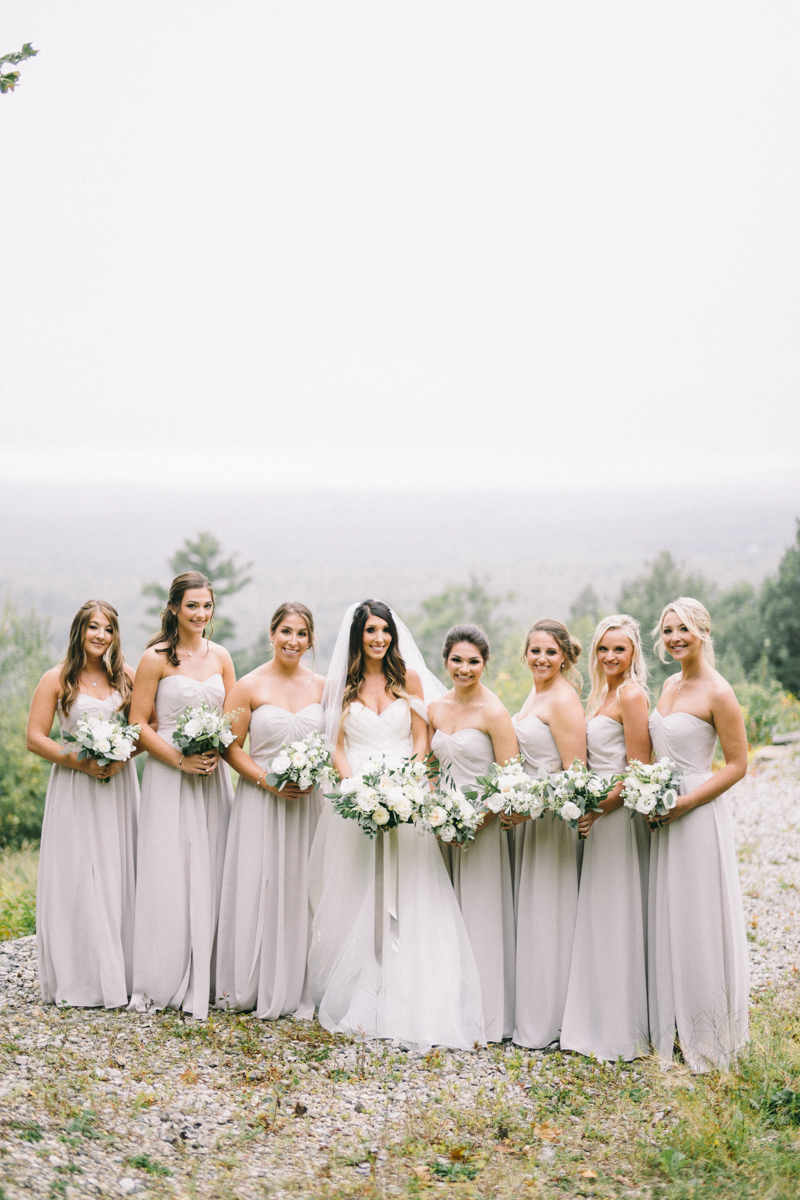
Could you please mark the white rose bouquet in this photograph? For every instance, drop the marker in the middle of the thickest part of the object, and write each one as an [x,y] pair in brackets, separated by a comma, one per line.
[306,762]
[510,789]
[577,791]
[108,739]
[451,814]
[202,728]
[388,791]
[651,788]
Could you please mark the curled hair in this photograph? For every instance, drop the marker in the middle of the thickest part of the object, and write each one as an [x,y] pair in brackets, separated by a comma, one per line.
[169,631]
[294,606]
[569,646]
[466,633]
[637,671]
[694,616]
[75,659]
[393,667]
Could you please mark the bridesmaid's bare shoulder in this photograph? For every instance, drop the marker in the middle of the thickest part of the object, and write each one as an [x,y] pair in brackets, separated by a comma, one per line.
[413,683]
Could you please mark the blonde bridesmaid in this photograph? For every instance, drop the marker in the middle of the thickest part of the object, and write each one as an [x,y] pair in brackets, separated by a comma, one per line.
[469,729]
[87,862]
[262,941]
[699,977]
[551,731]
[186,803]
[606,1010]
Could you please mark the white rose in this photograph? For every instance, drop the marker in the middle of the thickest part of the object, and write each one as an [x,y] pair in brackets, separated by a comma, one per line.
[447,833]
[346,787]
[467,811]
[298,760]
[404,809]
[125,748]
[395,795]
[192,728]
[385,784]
[367,799]
[226,737]
[103,745]
[495,802]
[281,763]
[570,811]
[379,815]
[304,782]
[437,816]
[536,808]
[392,762]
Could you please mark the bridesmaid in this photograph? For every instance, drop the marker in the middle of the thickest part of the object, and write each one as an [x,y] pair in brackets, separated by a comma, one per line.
[606,1010]
[264,917]
[551,731]
[698,970]
[469,729]
[87,863]
[186,805]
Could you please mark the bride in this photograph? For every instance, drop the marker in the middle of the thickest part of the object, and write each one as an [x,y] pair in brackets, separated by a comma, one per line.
[389,955]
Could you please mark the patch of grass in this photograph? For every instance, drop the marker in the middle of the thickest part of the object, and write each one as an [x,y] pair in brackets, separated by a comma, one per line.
[84,1124]
[29,1131]
[18,869]
[17,915]
[143,1162]
[453,1172]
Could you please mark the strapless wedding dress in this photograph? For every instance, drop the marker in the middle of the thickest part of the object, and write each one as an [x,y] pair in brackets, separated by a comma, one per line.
[698,969]
[389,954]
[606,1009]
[546,901]
[87,878]
[481,878]
[183,825]
[262,940]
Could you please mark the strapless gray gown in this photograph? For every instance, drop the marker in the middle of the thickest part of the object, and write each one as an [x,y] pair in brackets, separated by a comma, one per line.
[698,970]
[182,829]
[546,902]
[262,940]
[87,879]
[606,1009]
[481,878]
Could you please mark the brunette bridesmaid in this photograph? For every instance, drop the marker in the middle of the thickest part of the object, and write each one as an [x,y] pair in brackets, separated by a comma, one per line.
[469,729]
[87,863]
[698,977]
[185,808]
[262,941]
[606,1010]
[551,731]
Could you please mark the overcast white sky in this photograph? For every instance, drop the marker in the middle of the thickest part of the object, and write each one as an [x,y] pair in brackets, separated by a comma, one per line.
[387,243]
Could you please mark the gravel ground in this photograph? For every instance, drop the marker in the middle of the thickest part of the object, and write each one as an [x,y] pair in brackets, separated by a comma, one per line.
[106,1103]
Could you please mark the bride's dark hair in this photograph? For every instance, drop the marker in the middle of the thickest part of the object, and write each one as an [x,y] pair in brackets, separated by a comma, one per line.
[393,667]
[169,632]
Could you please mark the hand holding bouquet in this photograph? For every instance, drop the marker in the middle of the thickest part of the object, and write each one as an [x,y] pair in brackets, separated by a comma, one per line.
[305,763]
[577,791]
[202,729]
[388,791]
[510,790]
[652,788]
[107,740]
[450,814]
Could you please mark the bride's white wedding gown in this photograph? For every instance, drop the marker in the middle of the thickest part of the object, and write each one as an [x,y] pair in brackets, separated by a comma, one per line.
[389,955]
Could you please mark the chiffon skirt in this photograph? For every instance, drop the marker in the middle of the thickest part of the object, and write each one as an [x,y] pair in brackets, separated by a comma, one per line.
[183,828]
[86,888]
[389,954]
[264,923]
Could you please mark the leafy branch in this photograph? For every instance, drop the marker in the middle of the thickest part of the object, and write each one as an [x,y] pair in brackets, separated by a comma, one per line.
[10,79]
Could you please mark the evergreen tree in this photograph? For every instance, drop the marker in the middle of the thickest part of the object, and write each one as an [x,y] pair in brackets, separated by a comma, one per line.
[645,596]
[780,609]
[458,604]
[224,574]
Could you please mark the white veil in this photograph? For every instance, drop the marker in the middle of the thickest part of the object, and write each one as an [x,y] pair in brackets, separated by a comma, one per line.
[333,694]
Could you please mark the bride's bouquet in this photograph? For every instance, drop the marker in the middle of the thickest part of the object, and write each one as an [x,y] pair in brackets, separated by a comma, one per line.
[450,814]
[202,728]
[306,762]
[511,790]
[388,791]
[108,739]
[651,788]
[577,791]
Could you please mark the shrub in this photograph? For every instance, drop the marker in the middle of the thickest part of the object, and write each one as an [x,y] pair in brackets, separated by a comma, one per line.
[767,709]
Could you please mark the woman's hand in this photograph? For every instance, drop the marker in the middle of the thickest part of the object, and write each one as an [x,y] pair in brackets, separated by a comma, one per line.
[90,766]
[682,807]
[586,822]
[200,764]
[509,820]
[289,791]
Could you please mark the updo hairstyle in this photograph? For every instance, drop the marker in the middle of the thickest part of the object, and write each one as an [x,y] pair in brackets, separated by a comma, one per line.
[169,631]
[630,627]
[294,606]
[466,633]
[569,646]
[694,616]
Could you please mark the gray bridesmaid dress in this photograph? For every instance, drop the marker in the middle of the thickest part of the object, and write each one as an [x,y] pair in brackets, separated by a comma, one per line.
[545,901]
[87,878]
[606,1009]
[264,925]
[698,969]
[481,878]
[182,830]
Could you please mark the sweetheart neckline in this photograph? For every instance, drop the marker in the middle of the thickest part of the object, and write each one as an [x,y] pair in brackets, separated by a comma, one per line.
[288,711]
[363,706]
[188,678]
[466,729]
[707,724]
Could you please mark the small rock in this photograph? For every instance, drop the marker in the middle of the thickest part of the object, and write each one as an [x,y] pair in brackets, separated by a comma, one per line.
[129,1186]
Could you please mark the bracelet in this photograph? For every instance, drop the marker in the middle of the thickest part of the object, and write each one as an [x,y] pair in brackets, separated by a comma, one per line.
[180,764]
[263,775]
